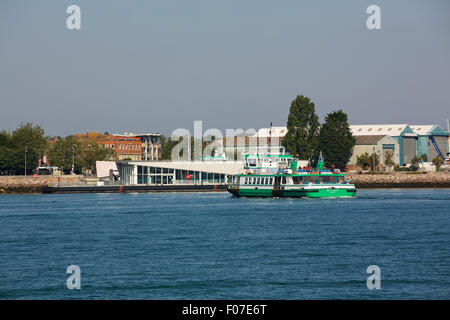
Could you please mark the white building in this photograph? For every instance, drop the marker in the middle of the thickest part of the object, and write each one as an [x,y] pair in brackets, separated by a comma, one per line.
[177,172]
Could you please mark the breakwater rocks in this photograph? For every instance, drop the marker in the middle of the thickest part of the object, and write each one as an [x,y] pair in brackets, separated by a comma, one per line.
[30,184]
[400,180]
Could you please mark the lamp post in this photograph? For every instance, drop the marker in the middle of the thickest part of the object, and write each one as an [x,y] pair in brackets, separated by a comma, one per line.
[25,170]
[73,159]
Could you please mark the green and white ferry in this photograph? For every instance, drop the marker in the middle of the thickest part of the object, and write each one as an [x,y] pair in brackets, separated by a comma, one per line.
[281,176]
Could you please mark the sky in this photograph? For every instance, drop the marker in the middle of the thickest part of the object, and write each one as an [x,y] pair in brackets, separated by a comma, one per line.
[154,66]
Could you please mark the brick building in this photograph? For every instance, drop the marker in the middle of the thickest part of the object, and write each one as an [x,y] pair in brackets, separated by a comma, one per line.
[125,147]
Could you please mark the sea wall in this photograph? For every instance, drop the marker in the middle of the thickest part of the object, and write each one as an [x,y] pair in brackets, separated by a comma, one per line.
[30,184]
[400,180]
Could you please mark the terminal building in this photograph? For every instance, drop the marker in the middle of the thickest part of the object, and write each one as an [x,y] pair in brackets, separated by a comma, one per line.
[177,172]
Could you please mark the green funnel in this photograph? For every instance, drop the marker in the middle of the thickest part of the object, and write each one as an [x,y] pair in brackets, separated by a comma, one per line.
[320,162]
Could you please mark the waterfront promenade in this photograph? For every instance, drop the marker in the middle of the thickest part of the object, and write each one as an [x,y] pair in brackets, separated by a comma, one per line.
[29,184]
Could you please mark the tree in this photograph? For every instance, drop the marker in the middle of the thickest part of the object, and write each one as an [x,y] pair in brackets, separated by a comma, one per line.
[335,140]
[438,162]
[414,164]
[64,151]
[166,148]
[29,139]
[6,152]
[83,154]
[423,158]
[303,126]
[374,161]
[363,161]
[91,152]
[389,159]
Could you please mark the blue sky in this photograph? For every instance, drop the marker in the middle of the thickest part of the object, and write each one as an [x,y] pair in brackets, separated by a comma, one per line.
[154,66]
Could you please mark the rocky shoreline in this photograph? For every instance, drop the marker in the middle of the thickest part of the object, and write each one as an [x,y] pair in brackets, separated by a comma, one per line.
[30,184]
[21,184]
[400,180]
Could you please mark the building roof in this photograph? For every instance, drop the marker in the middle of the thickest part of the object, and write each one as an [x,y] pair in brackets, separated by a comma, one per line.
[369,139]
[421,129]
[425,130]
[378,129]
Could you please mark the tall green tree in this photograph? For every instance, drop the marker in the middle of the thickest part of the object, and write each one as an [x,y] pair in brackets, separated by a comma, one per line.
[335,140]
[6,152]
[26,139]
[303,128]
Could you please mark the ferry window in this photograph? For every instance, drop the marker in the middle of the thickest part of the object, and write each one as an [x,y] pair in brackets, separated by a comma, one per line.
[309,179]
[252,162]
[298,180]
[271,181]
[283,180]
[326,179]
[258,180]
[246,180]
[254,180]
[264,181]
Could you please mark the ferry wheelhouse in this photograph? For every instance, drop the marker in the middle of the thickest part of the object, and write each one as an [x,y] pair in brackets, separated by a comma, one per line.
[282,176]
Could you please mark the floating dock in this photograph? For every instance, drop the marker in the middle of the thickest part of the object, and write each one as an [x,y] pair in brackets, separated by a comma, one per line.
[135,188]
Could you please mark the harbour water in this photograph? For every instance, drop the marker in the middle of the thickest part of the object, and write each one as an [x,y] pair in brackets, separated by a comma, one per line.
[214,246]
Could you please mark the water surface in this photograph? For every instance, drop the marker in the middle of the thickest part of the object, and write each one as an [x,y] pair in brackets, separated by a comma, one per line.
[214,246]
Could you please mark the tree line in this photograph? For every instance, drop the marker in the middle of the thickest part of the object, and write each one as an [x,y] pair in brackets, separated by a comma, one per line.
[22,149]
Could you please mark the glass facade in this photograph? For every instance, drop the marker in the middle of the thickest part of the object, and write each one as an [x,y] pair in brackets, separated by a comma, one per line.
[156,175]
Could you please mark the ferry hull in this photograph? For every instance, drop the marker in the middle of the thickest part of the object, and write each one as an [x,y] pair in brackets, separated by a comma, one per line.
[311,193]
